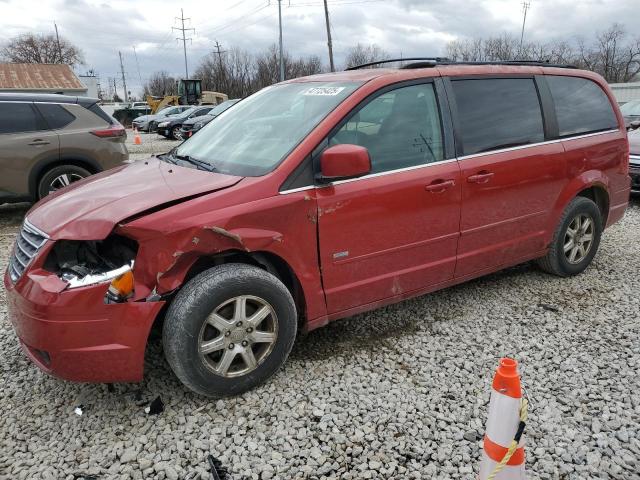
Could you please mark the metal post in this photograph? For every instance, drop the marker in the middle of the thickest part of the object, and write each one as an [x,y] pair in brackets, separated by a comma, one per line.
[525,7]
[326,16]
[281,54]
[184,41]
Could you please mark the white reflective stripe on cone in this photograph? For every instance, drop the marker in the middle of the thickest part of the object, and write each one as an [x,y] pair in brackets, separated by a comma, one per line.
[504,417]
[507,473]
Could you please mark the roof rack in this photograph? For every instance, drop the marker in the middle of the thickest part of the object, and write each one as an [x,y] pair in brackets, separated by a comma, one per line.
[430,62]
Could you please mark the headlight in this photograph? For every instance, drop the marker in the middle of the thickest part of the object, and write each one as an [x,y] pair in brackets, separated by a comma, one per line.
[163,124]
[85,263]
[198,126]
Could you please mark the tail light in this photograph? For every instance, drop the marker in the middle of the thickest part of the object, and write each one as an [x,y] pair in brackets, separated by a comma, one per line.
[111,132]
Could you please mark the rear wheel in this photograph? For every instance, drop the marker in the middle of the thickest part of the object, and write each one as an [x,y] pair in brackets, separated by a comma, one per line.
[576,239]
[229,329]
[60,177]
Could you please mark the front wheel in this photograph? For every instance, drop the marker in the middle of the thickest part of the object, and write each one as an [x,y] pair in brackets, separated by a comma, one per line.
[576,239]
[229,329]
[176,134]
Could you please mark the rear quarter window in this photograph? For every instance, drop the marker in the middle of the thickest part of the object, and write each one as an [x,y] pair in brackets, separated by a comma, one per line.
[581,106]
[95,108]
[496,113]
[55,116]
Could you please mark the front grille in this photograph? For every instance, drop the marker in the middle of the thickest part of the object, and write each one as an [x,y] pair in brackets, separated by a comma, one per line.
[28,242]
[186,128]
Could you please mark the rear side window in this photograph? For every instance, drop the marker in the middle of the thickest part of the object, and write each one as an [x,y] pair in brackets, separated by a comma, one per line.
[497,113]
[18,117]
[95,108]
[581,106]
[400,128]
[56,116]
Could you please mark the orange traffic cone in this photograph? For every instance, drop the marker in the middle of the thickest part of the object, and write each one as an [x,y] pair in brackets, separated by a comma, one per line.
[503,453]
[136,137]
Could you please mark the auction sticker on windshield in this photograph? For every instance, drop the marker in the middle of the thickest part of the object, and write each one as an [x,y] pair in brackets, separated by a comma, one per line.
[323,91]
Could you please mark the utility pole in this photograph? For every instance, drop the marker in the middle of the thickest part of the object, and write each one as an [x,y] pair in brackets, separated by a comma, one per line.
[281,54]
[220,68]
[184,40]
[525,7]
[326,17]
[124,82]
[58,42]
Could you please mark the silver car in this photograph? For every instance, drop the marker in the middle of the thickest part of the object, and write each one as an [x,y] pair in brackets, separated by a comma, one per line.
[148,123]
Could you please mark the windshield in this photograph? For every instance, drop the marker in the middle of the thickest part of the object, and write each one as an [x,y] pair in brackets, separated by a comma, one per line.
[631,108]
[218,109]
[186,112]
[252,138]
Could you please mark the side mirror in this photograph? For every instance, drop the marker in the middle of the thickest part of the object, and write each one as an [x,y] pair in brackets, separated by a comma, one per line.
[342,162]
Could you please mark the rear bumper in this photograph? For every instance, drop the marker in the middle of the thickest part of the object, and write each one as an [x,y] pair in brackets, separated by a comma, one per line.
[73,334]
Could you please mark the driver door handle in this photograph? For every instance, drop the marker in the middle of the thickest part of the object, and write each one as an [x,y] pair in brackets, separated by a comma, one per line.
[439,185]
[481,177]
[39,142]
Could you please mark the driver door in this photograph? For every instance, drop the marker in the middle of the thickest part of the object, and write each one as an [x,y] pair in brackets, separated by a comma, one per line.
[394,231]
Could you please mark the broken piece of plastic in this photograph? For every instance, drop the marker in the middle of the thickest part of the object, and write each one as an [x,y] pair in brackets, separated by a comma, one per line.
[218,472]
[156,407]
[79,410]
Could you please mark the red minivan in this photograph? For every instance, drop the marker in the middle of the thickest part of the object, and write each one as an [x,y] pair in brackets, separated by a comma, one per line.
[312,200]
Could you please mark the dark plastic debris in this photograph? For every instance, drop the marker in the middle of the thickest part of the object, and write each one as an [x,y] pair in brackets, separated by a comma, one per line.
[548,307]
[218,472]
[156,407]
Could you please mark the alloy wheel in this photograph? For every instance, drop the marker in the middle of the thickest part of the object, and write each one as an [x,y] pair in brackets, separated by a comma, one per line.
[63,180]
[238,336]
[578,238]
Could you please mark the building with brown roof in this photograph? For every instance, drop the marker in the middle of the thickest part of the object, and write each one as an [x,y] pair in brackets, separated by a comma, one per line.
[40,78]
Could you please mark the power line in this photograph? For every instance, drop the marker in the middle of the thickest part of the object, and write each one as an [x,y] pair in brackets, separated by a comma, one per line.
[137,64]
[184,40]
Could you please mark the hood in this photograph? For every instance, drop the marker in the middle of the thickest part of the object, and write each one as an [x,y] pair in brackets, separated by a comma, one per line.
[90,208]
[634,142]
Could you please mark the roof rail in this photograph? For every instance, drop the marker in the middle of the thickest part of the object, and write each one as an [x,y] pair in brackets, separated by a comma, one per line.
[430,62]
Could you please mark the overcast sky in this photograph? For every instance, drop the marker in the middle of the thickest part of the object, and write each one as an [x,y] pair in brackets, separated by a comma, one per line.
[402,27]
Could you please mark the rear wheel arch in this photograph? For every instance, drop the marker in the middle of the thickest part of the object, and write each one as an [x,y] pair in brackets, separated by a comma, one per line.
[600,196]
[39,170]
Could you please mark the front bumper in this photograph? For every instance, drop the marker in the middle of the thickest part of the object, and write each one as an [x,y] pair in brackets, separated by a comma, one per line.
[73,334]
[165,131]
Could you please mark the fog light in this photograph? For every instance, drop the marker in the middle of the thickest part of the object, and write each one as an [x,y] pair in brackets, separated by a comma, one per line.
[121,287]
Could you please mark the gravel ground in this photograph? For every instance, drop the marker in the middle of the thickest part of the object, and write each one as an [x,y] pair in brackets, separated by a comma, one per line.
[152,144]
[399,393]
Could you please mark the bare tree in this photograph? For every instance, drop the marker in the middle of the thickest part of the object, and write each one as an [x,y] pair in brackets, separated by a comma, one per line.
[361,54]
[610,53]
[160,84]
[37,48]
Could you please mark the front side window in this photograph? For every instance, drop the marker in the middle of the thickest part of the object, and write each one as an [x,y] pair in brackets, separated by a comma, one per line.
[254,136]
[496,113]
[581,106]
[18,117]
[400,128]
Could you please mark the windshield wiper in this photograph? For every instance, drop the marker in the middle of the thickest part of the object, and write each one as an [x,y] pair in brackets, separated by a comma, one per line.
[194,161]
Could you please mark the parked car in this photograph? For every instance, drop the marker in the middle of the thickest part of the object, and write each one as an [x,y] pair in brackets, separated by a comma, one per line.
[631,112]
[192,125]
[634,160]
[313,200]
[149,123]
[171,127]
[50,141]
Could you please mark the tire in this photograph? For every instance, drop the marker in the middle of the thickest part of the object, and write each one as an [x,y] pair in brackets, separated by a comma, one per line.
[557,261]
[59,177]
[175,133]
[188,328]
